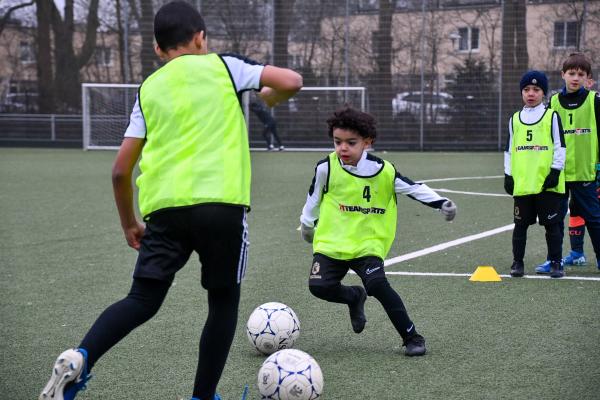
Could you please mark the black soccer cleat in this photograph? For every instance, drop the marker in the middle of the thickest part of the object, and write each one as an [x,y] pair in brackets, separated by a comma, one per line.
[357,311]
[517,269]
[556,269]
[415,345]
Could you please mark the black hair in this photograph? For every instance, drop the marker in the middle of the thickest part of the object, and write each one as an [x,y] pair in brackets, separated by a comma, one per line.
[353,120]
[577,61]
[176,23]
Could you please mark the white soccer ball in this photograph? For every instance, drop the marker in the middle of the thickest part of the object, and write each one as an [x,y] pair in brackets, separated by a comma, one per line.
[272,326]
[290,375]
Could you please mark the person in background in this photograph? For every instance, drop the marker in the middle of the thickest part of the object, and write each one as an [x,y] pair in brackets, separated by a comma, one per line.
[579,111]
[188,127]
[534,160]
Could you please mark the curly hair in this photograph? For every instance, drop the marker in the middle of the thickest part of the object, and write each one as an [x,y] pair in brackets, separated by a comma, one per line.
[353,120]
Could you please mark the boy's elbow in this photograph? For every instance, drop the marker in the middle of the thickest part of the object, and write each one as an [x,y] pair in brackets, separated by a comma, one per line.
[292,84]
[119,175]
[296,82]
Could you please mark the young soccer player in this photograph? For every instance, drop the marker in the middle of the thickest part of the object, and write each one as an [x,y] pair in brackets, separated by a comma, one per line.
[533,166]
[576,223]
[194,191]
[350,218]
[579,110]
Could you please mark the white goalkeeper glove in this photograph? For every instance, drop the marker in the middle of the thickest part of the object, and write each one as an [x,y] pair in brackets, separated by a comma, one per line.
[448,210]
[307,233]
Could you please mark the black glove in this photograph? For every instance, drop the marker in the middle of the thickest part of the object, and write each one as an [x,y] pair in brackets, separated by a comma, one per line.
[509,184]
[552,179]
[448,210]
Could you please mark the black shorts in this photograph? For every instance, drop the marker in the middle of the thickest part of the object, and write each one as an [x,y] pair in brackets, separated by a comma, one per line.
[217,232]
[544,206]
[327,271]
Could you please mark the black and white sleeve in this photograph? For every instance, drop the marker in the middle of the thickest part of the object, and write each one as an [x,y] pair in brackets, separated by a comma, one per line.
[507,152]
[310,211]
[418,191]
[244,71]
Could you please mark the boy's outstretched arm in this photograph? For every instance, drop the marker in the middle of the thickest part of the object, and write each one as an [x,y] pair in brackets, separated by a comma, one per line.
[122,171]
[311,209]
[425,195]
[278,84]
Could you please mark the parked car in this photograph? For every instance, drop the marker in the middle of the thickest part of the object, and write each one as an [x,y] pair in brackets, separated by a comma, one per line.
[437,106]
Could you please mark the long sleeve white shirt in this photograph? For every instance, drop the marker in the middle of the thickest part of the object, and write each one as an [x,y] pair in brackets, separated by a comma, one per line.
[368,165]
[531,115]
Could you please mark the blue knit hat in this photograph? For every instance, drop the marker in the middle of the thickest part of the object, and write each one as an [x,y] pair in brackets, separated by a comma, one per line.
[536,78]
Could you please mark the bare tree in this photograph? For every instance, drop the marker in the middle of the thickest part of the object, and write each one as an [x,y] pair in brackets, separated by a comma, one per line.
[45,70]
[146,23]
[381,92]
[6,17]
[60,80]
[571,11]
[283,10]
[515,57]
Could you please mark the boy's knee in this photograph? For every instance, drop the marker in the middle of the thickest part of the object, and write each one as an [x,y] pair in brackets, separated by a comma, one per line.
[376,285]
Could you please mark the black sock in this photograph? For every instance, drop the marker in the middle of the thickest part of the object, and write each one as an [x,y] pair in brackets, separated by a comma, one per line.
[394,307]
[216,339]
[554,242]
[519,240]
[141,304]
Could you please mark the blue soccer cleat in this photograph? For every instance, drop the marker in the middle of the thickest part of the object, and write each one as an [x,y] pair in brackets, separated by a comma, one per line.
[69,376]
[245,392]
[575,258]
[217,397]
[543,268]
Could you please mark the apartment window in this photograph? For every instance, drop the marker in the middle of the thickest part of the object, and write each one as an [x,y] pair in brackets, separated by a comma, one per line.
[102,56]
[565,34]
[26,53]
[367,5]
[469,39]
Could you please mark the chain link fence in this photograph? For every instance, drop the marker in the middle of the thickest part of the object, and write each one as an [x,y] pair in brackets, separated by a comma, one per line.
[438,74]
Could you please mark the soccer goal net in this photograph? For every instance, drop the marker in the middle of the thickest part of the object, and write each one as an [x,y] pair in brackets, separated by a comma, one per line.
[106,109]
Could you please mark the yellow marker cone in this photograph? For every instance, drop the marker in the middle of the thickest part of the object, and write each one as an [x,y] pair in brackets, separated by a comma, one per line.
[485,274]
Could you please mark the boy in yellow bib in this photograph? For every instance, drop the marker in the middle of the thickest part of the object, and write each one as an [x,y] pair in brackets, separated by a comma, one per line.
[188,131]
[579,110]
[353,199]
[533,166]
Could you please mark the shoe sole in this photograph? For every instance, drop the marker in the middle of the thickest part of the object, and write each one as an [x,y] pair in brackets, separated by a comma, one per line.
[416,354]
[576,264]
[67,368]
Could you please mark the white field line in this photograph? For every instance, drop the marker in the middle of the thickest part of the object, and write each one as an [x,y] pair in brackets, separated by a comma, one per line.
[466,239]
[446,245]
[466,178]
[442,274]
[472,193]
[460,178]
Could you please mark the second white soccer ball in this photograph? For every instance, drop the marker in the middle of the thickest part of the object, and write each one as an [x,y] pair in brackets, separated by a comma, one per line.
[272,326]
[290,375]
